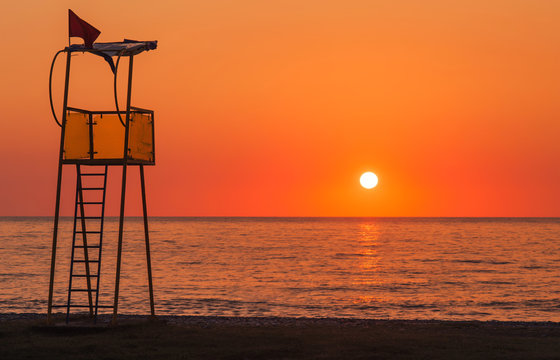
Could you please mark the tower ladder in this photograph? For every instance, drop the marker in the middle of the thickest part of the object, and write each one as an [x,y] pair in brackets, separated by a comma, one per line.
[84,207]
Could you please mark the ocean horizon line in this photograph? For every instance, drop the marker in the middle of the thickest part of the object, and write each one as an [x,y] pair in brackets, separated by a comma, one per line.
[288,217]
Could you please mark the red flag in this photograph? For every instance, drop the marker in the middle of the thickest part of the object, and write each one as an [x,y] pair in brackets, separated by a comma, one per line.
[79,28]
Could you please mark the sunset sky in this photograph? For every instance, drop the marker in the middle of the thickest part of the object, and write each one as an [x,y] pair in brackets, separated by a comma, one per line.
[275,108]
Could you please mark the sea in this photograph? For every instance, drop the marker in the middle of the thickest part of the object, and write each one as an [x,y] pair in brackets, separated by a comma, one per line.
[505,269]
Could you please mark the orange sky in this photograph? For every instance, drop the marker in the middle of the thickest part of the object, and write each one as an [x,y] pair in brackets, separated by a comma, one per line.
[275,108]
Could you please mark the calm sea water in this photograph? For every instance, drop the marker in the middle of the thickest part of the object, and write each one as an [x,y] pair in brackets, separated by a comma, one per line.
[397,268]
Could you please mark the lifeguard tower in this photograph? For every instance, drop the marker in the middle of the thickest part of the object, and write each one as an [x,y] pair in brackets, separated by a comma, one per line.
[92,141]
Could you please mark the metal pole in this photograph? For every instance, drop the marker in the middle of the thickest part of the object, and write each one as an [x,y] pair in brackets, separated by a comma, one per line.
[70,277]
[58,188]
[123,191]
[147,238]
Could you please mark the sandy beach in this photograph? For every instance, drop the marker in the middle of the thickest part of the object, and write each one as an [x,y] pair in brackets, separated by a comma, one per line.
[25,336]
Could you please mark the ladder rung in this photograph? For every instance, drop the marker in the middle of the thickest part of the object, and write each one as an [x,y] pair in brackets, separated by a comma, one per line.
[81,290]
[94,188]
[88,261]
[90,202]
[89,217]
[84,275]
[92,174]
[89,246]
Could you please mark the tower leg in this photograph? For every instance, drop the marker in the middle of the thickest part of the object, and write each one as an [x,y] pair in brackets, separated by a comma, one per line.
[147,238]
[58,188]
[123,189]
[119,246]
[55,237]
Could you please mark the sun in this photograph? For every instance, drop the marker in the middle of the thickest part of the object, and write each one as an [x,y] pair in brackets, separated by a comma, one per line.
[369,180]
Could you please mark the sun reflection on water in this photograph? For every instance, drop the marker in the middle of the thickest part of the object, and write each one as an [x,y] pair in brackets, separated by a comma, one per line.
[368,243]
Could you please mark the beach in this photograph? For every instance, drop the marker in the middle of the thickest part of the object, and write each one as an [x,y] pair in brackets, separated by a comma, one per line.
[26,336]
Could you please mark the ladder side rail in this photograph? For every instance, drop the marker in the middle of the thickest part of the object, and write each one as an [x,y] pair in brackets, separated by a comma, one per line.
[84,237]
[101,241]
[72,254]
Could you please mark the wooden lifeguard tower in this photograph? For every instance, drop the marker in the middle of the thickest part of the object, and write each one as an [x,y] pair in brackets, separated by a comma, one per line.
[92,141]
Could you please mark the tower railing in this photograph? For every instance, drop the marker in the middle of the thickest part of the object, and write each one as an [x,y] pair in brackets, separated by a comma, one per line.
[98,137]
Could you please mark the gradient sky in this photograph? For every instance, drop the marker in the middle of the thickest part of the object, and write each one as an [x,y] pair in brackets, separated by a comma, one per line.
[275,108]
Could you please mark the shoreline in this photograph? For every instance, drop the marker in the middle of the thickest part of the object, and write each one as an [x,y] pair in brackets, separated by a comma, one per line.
[272,320]
[215,337]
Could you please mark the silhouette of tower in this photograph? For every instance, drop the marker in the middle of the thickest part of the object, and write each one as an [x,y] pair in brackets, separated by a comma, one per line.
[92,141]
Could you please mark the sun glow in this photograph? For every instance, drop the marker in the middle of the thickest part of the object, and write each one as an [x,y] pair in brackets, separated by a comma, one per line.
[368,180]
